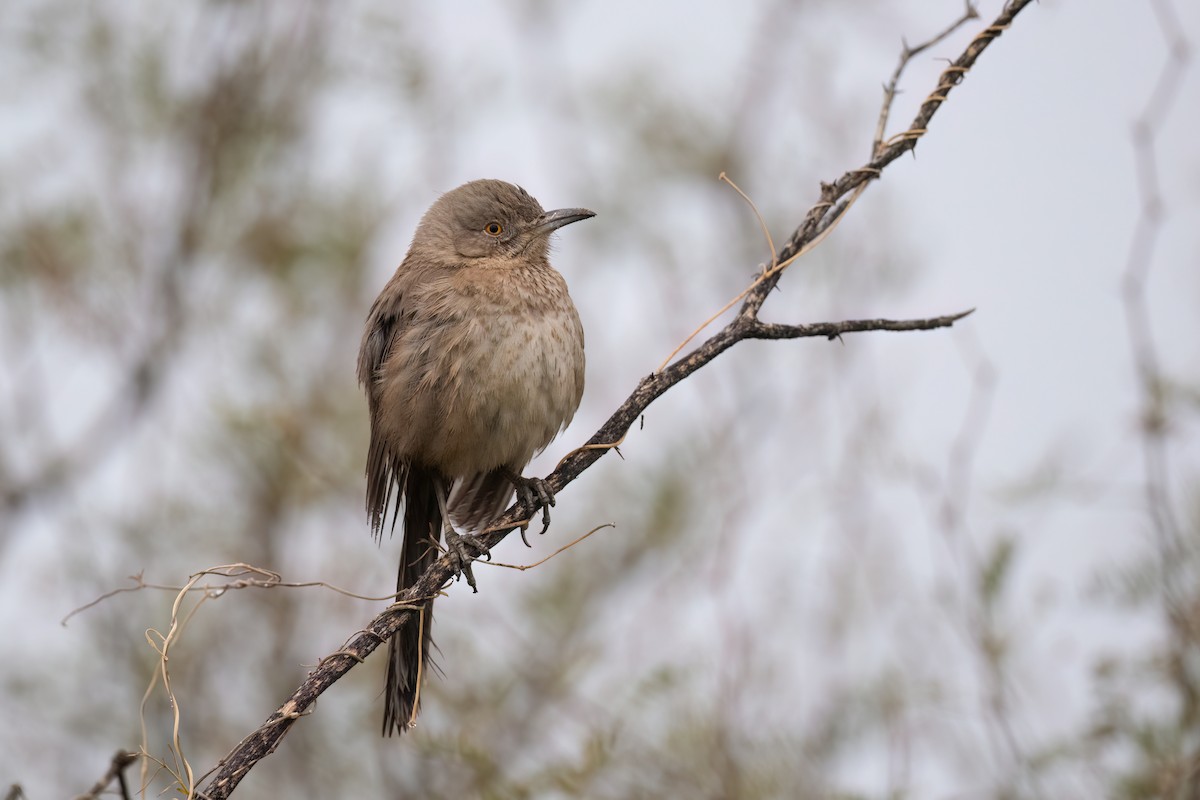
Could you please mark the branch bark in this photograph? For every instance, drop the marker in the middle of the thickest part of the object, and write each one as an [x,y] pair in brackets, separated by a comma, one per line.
[836,198]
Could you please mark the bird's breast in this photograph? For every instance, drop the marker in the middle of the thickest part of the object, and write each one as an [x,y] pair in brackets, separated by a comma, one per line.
[490,377]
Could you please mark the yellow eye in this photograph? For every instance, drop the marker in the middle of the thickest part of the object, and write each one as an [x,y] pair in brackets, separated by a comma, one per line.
[493,229]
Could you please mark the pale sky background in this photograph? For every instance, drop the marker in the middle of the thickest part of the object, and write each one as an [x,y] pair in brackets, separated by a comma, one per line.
[1021,203]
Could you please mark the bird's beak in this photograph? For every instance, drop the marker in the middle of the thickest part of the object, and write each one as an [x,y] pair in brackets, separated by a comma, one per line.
[553,220]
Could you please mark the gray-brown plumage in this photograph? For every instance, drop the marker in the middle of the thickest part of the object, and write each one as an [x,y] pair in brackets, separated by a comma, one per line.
[472,361]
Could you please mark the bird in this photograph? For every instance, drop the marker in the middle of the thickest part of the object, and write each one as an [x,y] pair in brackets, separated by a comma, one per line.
[472,361]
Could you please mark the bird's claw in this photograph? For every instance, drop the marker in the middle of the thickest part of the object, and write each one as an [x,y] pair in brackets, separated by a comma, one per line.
[464,549]
[534,492]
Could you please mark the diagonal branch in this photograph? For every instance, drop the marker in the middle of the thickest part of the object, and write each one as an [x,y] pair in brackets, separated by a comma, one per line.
[830,207]
[836,198]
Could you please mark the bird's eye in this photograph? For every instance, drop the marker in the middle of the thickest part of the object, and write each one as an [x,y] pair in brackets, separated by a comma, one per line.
[493,229]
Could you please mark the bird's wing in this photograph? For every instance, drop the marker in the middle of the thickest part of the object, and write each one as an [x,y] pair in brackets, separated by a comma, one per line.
[384,469]
[383,326]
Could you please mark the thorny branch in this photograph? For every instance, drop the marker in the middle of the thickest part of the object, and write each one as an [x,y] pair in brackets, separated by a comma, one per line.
[836,198]
[889,89]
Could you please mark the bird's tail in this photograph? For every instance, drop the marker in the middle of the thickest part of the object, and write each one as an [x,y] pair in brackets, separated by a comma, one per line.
[408,650]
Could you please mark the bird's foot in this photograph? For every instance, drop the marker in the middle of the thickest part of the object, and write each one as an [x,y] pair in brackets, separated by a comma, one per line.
[534,492]
[464,549]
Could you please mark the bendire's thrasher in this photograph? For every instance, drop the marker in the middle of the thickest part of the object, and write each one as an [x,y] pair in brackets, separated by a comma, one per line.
[472,361]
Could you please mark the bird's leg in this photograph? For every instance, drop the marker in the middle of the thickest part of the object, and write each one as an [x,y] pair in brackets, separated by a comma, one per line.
[463,547]
[534,491]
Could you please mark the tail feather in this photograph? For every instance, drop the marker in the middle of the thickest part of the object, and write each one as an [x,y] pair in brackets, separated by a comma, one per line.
[408,649]
[384,472]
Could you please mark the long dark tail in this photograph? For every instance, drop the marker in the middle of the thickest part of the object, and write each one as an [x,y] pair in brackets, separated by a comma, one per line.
[408,650]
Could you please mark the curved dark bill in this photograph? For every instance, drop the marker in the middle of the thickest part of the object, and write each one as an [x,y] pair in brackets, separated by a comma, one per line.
[553,220]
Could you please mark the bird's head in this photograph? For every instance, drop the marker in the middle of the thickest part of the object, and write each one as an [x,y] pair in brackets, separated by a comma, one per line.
[490,219]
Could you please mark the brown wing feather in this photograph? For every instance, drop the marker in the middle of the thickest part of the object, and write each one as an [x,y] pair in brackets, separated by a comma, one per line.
[384,470]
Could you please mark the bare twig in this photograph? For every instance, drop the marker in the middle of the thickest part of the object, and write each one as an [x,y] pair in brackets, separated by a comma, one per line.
[116,771]
[539,562]
[263,579]
[889,89]
[831,193]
